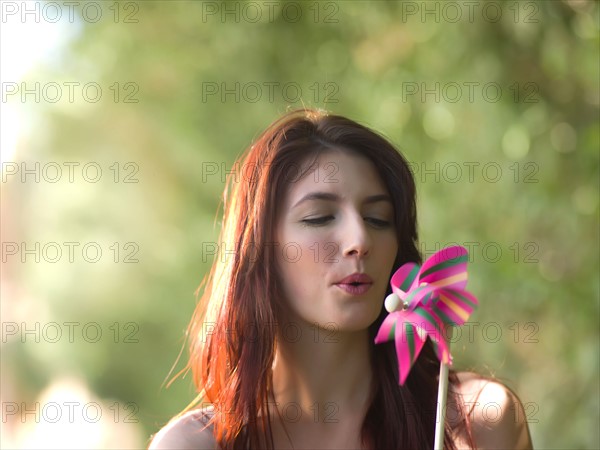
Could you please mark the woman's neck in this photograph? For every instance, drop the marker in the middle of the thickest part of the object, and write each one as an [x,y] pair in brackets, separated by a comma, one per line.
[322,374]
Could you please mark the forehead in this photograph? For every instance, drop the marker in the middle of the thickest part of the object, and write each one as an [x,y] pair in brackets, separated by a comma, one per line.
[340,172]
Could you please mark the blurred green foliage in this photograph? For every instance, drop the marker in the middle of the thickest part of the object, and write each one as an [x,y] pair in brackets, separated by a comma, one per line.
[512,172]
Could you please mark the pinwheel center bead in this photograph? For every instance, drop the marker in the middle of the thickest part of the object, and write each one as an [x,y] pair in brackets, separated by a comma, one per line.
[404,306]
[392,302]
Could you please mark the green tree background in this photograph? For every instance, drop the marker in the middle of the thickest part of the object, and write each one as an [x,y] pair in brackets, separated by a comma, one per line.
[497,110]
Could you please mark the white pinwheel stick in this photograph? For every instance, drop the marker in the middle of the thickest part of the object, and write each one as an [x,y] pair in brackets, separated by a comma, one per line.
[440,416]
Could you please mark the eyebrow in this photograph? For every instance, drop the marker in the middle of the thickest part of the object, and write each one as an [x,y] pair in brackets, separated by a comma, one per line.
[328,196]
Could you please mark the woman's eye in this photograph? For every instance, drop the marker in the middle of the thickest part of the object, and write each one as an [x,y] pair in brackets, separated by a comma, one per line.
[378,222]
[322,220]
[317,220]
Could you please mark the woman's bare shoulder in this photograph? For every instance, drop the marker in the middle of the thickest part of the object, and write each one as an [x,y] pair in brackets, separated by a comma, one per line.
[188,431]
[497,415]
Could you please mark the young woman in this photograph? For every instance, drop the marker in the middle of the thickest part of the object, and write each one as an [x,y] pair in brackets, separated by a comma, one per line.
[282,347]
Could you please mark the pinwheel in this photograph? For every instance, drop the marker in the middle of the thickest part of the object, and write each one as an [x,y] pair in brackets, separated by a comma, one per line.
[433,297]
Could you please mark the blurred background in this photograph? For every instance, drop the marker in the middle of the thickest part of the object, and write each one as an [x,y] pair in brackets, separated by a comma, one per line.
[119,123]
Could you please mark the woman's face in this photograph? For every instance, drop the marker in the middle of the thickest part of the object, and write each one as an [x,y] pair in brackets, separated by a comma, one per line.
[336,221]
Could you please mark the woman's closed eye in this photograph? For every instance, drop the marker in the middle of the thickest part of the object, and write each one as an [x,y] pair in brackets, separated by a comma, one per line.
[317,220]
[378,223]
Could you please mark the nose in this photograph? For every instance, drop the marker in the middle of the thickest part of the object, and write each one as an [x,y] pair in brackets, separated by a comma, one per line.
[356,238]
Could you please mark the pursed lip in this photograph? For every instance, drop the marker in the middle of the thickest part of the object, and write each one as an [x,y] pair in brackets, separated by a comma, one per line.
[356,277]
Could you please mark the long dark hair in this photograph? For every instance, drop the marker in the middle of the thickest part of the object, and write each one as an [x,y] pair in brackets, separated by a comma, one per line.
[231,362]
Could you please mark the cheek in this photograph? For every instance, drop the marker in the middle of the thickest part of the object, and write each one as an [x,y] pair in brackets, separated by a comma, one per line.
[317,252]
[303,257]
[302,262]
[393,247]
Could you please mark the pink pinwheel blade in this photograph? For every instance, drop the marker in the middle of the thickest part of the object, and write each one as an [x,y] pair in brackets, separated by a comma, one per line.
[387,329]
[455,306]
[446,268]
[408,346]
[404,279]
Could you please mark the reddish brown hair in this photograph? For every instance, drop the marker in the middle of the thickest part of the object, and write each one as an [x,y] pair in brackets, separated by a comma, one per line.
[234,329]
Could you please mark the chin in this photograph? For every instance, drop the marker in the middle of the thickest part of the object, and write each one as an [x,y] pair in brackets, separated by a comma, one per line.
[358,322]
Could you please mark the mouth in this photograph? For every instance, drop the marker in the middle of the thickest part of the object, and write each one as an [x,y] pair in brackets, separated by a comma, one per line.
[354,288]
[356,278]
[357,283]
